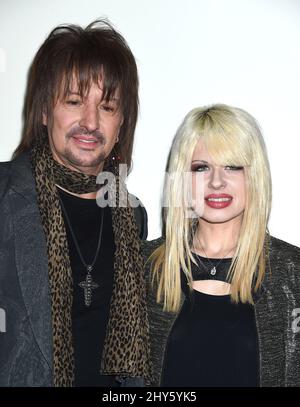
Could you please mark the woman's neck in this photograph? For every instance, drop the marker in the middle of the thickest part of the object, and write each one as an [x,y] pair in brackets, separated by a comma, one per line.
[216,240]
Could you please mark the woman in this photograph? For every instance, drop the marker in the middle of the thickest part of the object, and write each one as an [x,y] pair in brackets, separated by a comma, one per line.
[223,296]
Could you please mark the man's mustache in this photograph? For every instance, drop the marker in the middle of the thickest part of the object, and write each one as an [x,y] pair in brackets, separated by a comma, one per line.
[77,131]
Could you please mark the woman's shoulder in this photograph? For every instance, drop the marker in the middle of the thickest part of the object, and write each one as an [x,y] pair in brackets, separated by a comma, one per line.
[284,261]
[284,251]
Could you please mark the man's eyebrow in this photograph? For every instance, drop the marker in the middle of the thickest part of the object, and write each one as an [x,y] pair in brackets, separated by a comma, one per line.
[69,92]
[112,99]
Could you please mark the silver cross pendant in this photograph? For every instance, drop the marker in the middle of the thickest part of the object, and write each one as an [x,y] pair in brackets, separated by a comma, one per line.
[88,285]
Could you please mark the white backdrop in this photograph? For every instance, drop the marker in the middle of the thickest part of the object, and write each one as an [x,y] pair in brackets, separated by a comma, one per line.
[189,53]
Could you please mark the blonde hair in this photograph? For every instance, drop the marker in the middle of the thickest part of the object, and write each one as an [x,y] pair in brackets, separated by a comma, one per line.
[232,137]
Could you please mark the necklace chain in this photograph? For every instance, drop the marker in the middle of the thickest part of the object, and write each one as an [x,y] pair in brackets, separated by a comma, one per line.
[89,267]
[88,285]
[213,269]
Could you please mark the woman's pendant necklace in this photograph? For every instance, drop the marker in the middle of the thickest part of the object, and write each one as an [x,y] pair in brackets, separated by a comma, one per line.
[213,271]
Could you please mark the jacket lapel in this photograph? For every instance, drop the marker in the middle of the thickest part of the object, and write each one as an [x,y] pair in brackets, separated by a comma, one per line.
[269,308]
[31,255]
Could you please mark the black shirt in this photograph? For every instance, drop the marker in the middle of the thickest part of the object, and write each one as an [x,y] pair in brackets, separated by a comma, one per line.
[89,323]
[213,342]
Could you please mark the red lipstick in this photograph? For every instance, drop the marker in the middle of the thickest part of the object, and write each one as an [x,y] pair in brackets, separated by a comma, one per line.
[218,201]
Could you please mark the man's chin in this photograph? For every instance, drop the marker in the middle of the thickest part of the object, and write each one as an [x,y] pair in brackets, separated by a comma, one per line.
[88,165]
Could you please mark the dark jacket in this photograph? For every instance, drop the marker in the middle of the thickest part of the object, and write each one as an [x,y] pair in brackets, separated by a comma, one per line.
[26,352]
[276,310]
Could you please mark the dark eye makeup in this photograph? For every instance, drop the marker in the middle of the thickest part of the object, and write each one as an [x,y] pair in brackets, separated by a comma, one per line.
[198,167]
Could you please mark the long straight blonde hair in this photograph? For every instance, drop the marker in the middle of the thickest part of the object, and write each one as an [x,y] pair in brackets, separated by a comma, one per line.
[232,137]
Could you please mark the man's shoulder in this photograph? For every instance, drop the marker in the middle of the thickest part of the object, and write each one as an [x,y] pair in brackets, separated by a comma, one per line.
[5,171]
[19,163]
[141,217]
[149,246]
[5,167]
[16,172]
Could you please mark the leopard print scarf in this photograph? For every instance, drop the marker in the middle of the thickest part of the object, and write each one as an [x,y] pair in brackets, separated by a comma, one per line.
[126,348]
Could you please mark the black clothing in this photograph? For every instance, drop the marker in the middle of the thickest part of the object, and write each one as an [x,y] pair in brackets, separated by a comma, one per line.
[26,347]
[89,323]
[201,270]
[213,342]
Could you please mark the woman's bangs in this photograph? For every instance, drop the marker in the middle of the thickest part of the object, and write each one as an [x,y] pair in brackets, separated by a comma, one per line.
[228,147]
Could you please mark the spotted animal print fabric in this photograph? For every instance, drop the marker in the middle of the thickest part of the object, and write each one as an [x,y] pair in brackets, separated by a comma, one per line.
[126,348]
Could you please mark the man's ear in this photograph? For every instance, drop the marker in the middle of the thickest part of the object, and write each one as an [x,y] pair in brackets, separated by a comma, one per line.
[45,119]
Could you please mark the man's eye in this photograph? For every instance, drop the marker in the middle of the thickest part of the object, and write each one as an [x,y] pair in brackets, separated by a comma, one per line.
[108,108]
[73,102]
[199,167]
[233,168]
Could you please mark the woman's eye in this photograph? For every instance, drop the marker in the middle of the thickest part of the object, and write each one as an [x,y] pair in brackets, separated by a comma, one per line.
[199,168]
[233,168]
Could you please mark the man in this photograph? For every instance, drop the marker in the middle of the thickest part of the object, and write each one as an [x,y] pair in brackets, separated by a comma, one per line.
[71,282]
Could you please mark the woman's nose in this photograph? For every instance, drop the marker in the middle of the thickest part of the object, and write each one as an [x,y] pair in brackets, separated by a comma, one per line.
[216,180]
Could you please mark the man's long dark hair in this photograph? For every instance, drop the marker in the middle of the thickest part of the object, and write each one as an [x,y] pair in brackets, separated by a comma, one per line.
[96,53]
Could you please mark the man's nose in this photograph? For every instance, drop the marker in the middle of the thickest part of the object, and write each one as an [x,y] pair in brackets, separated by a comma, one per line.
[217,180]
[90,118]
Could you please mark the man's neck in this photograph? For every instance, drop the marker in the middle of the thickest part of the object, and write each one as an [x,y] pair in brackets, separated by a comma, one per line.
[89,195]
